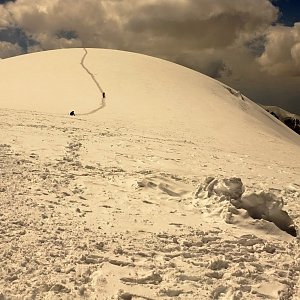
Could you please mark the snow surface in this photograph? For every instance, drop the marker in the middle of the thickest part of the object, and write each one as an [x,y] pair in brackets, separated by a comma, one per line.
[173,186]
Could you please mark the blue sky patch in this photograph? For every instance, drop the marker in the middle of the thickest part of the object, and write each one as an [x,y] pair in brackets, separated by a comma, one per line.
[289,11]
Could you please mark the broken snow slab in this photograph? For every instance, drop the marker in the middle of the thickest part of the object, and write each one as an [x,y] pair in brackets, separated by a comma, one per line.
[227,198]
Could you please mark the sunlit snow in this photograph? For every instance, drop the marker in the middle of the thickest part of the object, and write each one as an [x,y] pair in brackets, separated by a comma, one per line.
[170,185]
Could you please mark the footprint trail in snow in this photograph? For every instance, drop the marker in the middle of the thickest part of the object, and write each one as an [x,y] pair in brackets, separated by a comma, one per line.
[103,104]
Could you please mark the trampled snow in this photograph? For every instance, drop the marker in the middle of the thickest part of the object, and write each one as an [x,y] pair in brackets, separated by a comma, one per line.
[173,185]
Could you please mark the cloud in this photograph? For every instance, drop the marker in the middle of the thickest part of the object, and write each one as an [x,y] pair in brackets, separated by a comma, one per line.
[201,23]
[282,51]
[8,50]
[207,61]
[150,26]
[5,17]
[45,21]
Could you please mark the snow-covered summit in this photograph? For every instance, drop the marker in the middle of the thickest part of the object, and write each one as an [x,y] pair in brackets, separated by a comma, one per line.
[140,89]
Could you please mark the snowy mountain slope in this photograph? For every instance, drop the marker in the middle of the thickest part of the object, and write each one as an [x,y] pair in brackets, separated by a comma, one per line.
[173,186]
[289,119]
[138,87]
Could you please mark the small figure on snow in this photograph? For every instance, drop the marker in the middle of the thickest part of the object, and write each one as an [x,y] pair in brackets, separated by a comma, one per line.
[103,95]
[72,113]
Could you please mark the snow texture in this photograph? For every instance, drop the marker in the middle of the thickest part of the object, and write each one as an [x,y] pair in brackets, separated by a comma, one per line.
[178,188]
[259,205]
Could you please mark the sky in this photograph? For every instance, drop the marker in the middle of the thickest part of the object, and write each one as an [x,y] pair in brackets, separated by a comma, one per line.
[251,45]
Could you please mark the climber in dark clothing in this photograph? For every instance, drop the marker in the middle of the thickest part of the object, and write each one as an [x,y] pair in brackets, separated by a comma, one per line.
[72,113]
[103,95]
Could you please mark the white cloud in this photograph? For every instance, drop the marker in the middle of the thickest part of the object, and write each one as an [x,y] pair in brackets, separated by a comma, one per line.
[295,52]
[5,17]
[282,53]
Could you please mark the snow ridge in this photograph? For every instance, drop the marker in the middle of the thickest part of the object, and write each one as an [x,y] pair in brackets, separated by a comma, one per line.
[103,104]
